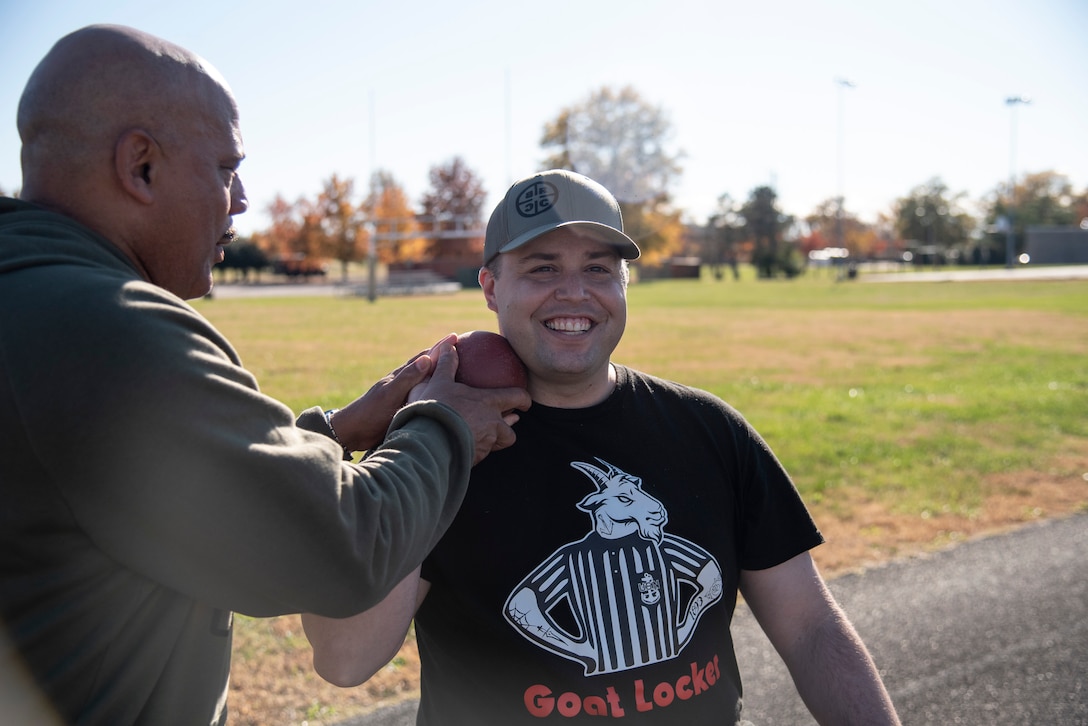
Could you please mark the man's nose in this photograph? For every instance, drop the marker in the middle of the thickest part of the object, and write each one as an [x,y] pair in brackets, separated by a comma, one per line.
[571,287]
[238,201]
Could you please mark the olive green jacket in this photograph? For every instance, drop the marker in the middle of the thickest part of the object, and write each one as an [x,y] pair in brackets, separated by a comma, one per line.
[148,489]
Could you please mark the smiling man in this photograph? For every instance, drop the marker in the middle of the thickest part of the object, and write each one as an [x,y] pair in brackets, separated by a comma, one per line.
[561,298]
[594,566]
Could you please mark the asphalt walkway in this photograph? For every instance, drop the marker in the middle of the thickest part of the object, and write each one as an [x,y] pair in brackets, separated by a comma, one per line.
[954,274]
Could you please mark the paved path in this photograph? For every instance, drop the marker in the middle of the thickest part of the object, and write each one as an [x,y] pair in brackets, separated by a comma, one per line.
[992,632]
[353,289]
[953,274]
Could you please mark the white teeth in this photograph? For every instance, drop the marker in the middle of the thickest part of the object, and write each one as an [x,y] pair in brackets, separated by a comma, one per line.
[569,325]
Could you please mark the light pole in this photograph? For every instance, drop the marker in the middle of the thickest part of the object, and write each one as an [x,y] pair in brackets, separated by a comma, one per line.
[371,261]
[842,83]
[1010,247]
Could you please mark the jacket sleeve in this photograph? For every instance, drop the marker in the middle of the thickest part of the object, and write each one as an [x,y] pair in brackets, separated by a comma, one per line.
[176,466]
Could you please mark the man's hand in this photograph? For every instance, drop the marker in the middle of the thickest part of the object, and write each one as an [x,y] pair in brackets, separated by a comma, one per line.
[489,412]
[361,425]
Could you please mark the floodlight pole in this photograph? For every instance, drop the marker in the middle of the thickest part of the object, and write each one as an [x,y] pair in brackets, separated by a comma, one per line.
[1010,245]
[371,262]
[842,83]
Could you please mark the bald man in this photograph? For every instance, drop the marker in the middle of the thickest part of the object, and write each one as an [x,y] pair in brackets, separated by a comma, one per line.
[149,489]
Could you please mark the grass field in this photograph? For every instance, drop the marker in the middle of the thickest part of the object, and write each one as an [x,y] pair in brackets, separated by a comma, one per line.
[910,415]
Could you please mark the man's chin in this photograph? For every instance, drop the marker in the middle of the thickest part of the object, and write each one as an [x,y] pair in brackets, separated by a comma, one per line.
[199,290]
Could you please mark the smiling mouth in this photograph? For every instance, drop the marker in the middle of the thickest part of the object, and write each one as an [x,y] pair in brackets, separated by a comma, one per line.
[569,325]
[229,236]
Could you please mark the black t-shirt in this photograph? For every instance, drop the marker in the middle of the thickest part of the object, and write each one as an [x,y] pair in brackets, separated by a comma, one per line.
[592,569]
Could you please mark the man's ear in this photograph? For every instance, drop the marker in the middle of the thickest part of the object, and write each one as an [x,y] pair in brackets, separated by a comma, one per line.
[136,162]
[487,284]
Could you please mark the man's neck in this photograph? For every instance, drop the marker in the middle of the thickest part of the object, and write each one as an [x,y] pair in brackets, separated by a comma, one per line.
[583,393]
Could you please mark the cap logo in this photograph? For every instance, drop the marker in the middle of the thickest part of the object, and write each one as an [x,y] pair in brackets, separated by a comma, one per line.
[536,199]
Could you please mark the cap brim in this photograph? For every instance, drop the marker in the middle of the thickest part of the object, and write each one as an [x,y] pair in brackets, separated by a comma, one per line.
[609,235]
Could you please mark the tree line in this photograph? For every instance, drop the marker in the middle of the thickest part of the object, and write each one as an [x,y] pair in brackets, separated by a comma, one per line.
[621,140]
[304,235]
[618,138]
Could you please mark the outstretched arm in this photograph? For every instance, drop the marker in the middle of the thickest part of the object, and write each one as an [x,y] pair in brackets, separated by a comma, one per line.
[348,651]
[830,666]
[489,413]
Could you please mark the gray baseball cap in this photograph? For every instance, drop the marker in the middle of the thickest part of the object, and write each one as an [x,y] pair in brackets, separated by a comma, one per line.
[552,199]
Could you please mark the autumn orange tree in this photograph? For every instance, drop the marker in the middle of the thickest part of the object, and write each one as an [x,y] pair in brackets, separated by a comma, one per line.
[295,241]
[392,221]
[828,229]
[456,192]
[340,222]
[278,239]
[454,209]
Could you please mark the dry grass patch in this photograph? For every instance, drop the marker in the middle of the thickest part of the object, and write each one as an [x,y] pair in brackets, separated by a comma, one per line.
[872,534]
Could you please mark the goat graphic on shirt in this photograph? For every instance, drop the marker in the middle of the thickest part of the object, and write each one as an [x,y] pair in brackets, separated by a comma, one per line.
[627,594]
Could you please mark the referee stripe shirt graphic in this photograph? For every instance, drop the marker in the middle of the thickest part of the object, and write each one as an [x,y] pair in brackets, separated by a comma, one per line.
[627,594]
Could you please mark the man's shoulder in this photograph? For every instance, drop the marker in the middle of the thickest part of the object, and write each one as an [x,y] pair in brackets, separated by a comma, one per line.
[641,382]
[63,276]
[675,397]
[35,238]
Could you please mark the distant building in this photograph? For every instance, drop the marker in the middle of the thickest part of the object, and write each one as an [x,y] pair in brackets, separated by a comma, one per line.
[458,258]
[1057,246]
[456,248]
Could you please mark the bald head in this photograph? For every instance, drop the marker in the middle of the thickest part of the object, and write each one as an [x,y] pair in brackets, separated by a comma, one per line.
[92,86]
[136,138]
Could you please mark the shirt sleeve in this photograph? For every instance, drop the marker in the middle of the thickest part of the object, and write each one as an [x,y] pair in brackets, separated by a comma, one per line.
[173,463]
[775,523]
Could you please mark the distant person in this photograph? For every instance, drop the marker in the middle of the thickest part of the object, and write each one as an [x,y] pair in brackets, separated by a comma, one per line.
[593,568]
[148,489]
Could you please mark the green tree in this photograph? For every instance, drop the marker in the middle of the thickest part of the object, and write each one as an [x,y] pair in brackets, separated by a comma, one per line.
[622,141]
[244,256]
[931,218]
[725,229]
[765,226]
[1044,199]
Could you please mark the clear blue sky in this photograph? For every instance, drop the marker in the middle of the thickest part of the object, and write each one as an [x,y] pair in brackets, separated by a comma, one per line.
[750,88]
